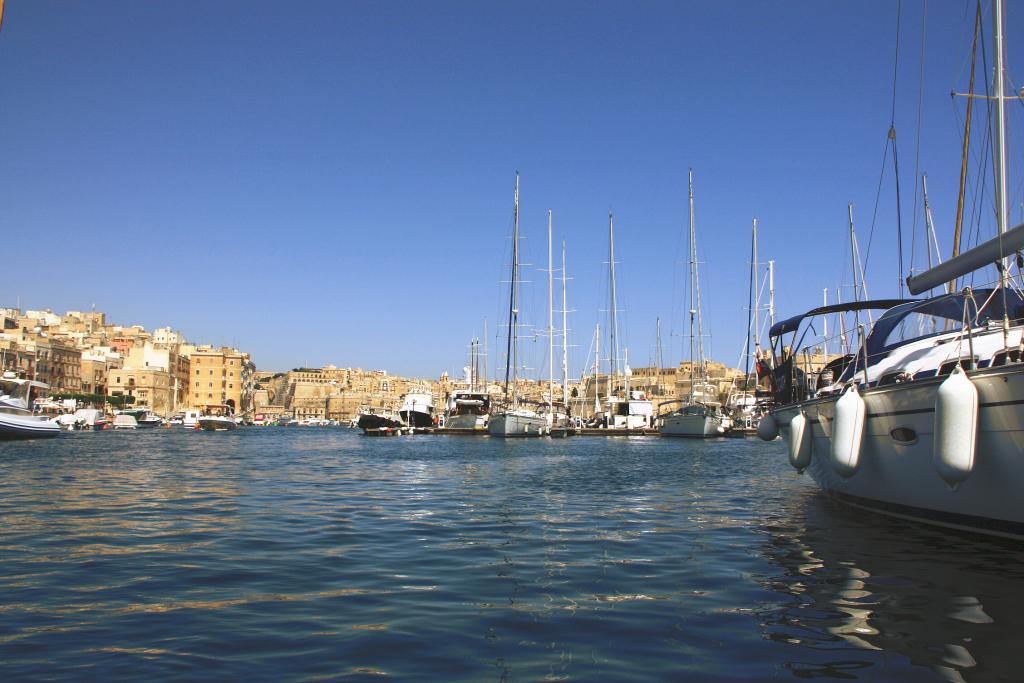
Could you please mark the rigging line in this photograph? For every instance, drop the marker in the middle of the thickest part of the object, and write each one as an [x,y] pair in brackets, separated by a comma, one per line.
[896,60]
[917,151]
[899,216]
[895,153]
[878,196]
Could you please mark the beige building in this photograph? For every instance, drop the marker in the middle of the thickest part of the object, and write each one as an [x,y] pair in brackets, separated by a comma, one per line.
[149,387]
[219,377]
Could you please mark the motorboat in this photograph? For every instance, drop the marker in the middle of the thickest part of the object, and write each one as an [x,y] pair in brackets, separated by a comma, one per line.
[217,419]
[217,423]
[83,419]
[418,408]
[634,411]
[16,418]
[125,421]
[468,409]
[374,418]
[144,417]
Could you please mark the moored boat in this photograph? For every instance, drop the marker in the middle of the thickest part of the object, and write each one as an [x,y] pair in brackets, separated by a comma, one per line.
[418,408]
[16,418]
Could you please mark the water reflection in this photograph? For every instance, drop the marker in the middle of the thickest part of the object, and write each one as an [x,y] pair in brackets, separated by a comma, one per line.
[862,589]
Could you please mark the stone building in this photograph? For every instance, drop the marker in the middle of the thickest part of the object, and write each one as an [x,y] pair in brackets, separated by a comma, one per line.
[220,376]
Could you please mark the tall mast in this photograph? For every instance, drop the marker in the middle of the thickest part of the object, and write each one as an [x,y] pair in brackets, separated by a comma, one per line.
[693,286]
[565,339]
[1000,141]
[751,308]
[597,368]
[824,322]
[487,379]
[512,349]
[1003,217]
[658,356]
[614,331]
[771,292]
[551,323]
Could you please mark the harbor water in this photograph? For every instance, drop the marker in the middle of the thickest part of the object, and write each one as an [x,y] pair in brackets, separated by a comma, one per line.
[318,554]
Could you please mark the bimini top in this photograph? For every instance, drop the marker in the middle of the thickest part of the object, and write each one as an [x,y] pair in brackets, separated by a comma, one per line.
[791,324]
[929,314]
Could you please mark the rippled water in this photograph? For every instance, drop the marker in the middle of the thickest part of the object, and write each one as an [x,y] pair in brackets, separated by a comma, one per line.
[319,554]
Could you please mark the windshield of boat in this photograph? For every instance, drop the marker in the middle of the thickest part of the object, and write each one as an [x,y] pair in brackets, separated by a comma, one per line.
[15,389]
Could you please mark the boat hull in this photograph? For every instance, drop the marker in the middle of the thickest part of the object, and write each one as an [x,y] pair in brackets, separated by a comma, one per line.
[373,421]
[698,426]
[14,426]
[217,424]
[467,422]
[416,418]
[509,425]
[896,474]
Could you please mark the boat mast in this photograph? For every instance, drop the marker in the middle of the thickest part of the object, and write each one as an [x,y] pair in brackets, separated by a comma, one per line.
[693,286]
[512,349]
[614,331]
[484,360]
[597,368]
[997,9]
[1000,141]
[658,357]
[751,309]
[565,340]
[551,324]
[771,292]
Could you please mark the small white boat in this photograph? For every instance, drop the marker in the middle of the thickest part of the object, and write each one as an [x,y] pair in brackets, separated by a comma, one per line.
[16,418]
[217,423]
[125,421]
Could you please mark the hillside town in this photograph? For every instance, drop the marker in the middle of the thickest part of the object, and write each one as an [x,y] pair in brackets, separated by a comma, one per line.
[83,357]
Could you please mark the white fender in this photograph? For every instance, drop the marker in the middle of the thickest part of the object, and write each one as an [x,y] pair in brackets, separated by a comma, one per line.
[956,427]
[848,432]
[800,440]
[768,428]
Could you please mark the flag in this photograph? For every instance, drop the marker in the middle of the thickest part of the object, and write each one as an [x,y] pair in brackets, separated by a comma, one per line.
[1,14]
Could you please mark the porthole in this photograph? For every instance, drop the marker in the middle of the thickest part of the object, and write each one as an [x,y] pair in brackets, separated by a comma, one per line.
[903,435]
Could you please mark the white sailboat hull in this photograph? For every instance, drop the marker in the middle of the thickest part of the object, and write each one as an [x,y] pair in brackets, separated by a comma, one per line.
[896,474]
[697,426]
[516,424]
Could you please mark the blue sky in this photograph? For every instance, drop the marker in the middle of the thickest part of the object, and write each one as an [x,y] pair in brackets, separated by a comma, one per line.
[331,182]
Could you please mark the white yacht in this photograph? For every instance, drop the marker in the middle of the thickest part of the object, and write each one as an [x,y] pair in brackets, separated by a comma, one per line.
[16,418]
[701,415]
[514,420]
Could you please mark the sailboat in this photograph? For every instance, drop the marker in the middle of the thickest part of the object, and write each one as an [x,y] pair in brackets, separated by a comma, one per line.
[700,415]
[926,420]
[624,408]
[514,420]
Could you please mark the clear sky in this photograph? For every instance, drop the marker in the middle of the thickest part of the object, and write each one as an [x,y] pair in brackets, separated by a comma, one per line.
[331,182]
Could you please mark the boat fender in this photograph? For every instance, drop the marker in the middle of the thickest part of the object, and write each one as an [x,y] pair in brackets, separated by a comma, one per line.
[848,432]
[768,428]
[800,441]
[956,428]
